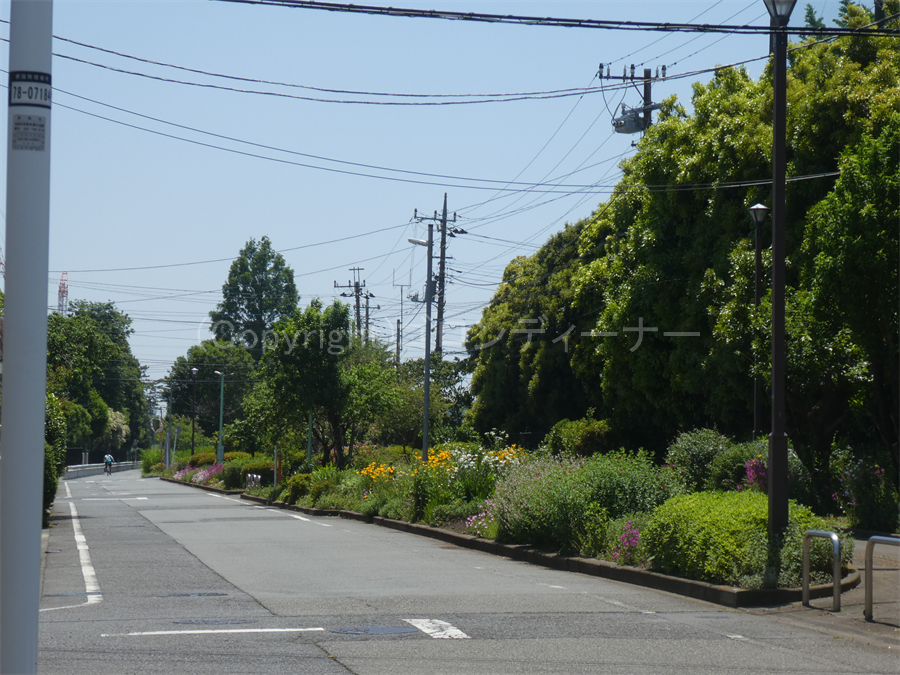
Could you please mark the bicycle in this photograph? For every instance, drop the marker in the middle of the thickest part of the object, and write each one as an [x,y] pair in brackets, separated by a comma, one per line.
[107,468]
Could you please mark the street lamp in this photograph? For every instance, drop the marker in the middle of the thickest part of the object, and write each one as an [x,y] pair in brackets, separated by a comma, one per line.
[220,450]
[428,295]
[780,13]
[759,213]
[193,407]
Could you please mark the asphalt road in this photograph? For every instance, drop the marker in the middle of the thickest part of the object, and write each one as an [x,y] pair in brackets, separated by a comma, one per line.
[143,576]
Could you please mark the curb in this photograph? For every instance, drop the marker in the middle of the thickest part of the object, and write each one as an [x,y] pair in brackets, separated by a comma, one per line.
[202,487]
[728,596]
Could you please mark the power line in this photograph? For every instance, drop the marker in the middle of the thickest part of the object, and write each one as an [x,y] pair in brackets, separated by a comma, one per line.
[601,24]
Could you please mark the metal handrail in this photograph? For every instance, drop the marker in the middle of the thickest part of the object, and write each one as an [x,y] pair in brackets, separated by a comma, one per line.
[836,572]
[892,541]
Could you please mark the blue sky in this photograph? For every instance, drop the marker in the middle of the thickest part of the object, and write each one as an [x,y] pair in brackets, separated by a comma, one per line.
[139,206]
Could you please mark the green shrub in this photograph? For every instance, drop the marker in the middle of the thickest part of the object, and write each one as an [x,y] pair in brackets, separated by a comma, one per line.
[865,492]
[229,456]
[261,467]
[231,471]
[584,437]
[727,469]
[623,539]
[562,503]
[721,537]
[150,457]
[540,503]
[52,469]
[589,532]
[627,483]
[202,459]
[692,455]
[294,488]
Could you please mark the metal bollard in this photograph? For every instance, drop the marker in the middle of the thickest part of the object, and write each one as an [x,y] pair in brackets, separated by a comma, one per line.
[891,541]
[836,572]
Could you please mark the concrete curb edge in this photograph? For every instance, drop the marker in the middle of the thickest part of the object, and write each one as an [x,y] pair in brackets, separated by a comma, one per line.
[728,596]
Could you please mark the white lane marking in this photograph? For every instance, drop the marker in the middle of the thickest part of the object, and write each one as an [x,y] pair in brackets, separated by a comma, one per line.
[68,491]
[112,499]
[91,586]
[437,629]
[236,501]
[735,637]
[214,631]
[305,520]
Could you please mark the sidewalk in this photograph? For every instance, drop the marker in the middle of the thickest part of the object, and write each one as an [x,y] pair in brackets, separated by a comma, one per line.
[849,623]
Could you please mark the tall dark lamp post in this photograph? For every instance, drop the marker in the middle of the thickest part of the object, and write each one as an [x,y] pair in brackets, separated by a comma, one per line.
[193,407]
[759,213]
[780,13]
[220,449]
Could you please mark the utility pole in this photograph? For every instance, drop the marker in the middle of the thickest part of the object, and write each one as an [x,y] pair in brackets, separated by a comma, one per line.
[25,362]
[442,271]
[400,320]
[367,296]
[357,291]
[634,120]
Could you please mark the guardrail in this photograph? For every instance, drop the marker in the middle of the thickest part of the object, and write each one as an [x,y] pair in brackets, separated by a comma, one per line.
[891,541]
[836,572]
[81,470]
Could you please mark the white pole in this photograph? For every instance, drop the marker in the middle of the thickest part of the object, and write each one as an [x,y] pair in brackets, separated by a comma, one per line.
[25,332]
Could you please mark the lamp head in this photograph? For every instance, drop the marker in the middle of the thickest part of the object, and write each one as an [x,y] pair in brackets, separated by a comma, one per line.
[759,212]
[418,242]
[217,372]
[780,10]
[194,371]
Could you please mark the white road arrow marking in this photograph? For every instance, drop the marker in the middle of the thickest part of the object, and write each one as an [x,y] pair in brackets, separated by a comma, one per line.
[438,629]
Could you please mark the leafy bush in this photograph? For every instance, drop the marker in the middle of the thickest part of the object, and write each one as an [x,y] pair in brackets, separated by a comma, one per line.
[728,468]
[563,503]
[584,437]
[865,492]
[721,537]
[294,488]
[231,472]
[540,503]
[229,456]
[150,457]
[261,467]
[627,483]
[202,459]
[692,454]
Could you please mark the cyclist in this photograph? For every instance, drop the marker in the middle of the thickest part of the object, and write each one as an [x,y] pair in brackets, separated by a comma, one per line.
[107,464]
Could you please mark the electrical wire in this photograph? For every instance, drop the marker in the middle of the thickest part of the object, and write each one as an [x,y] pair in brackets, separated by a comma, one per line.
[601,24]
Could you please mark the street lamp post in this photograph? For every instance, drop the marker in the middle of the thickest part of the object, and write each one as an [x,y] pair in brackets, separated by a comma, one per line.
[428,295]
[780,13]
[220,449]
[759,213]
[193,407]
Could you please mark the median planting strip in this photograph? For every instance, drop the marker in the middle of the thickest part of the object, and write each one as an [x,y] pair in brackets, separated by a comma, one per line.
[728,596]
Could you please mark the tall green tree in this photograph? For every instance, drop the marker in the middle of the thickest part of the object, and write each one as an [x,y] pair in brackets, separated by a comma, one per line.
[207,357]
[848,263]
[259,291]
[520,351]
[318,366]
[120,382]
